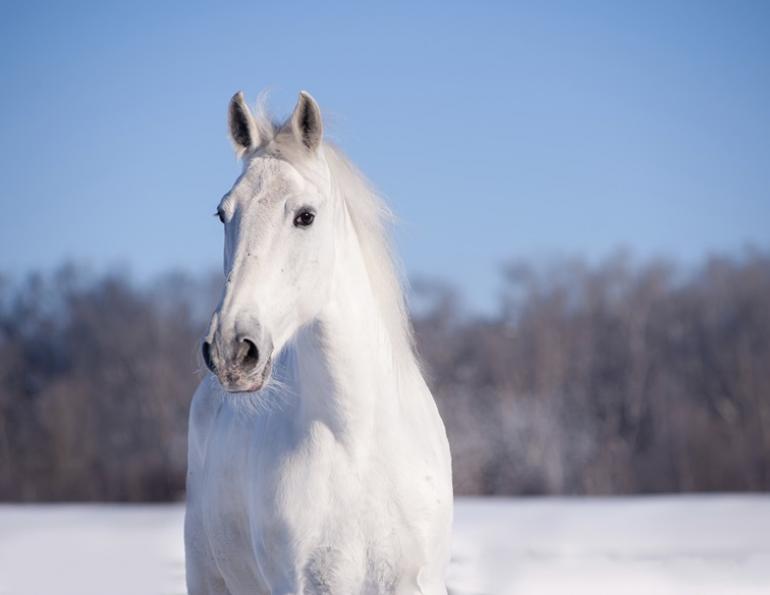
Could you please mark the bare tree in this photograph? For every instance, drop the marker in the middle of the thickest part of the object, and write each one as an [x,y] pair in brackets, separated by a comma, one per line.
[589,379]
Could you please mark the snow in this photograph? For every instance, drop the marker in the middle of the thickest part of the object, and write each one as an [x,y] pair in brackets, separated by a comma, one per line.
[679,545]
[657,545]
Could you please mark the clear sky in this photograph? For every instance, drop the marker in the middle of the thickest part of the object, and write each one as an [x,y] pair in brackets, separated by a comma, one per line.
[496,130]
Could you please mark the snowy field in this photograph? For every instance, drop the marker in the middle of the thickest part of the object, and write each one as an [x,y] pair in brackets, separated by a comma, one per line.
[662,545]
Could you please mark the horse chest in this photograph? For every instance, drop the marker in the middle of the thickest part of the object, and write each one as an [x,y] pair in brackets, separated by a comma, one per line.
[305,514]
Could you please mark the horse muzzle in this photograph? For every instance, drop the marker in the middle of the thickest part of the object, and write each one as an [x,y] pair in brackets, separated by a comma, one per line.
[239,364]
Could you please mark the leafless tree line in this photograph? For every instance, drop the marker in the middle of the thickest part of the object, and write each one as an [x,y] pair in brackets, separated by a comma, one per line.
[589,379]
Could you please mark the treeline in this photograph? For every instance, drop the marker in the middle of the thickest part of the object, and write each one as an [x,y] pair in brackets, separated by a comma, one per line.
[96,377]
[589,379]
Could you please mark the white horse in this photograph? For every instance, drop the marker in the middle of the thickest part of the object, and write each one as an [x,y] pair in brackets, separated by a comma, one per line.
[335,476]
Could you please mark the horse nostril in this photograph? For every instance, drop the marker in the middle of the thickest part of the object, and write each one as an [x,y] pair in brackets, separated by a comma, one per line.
[206,352]
[248,354]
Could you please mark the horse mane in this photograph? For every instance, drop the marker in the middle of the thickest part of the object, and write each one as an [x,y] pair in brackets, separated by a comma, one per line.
[371,218]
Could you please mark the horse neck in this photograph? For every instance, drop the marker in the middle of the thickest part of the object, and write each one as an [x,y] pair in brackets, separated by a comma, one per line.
[349,376]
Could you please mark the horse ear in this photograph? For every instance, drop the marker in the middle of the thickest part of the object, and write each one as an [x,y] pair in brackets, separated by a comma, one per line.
[306,124]
[243,129]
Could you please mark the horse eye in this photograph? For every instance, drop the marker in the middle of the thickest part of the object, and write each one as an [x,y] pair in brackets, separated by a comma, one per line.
[221,214]
[304,219]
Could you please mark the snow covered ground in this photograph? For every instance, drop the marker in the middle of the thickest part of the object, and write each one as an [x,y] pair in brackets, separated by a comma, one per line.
[661,545]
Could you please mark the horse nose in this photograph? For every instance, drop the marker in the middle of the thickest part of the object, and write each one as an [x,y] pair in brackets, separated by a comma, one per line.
[206,352]
[246,355]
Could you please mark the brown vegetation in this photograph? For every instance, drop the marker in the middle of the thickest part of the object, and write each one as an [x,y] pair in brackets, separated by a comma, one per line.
[605,379]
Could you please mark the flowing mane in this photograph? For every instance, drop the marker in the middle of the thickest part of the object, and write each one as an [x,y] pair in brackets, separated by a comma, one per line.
[371,219]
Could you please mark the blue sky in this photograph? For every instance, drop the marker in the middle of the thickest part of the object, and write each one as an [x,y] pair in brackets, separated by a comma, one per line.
[496,130]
